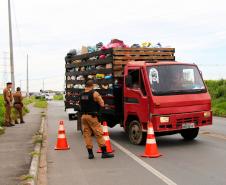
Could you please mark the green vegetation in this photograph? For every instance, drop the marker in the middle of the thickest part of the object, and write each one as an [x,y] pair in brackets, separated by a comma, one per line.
[26,177]
[2,110]
[40,103]
[217,90]
[29,100]
[58,97]
[2,130]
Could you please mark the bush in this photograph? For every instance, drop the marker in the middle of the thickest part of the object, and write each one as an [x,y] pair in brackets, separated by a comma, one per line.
[217,90]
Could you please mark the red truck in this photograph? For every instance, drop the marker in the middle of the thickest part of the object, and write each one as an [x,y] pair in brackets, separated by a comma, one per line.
[141,85]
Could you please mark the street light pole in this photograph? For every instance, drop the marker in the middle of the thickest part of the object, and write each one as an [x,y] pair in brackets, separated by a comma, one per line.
[11,48]
[27,78]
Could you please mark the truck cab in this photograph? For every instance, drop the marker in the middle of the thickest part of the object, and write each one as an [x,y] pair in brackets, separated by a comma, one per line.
[172,95]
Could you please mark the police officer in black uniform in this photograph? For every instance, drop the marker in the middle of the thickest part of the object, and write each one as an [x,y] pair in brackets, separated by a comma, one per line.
[90,103]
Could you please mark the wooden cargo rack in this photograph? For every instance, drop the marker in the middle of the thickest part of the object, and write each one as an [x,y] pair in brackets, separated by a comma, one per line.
[112,64]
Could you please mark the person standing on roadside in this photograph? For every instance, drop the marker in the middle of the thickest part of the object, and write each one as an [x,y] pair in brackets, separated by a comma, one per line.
[90,102]
[8,98]
[18,105]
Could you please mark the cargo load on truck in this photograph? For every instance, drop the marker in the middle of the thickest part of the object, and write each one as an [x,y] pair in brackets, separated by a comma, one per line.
[106,68]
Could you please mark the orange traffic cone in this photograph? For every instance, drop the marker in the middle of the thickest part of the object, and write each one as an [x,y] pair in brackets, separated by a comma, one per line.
[107,139]
[61,139]
[151,149]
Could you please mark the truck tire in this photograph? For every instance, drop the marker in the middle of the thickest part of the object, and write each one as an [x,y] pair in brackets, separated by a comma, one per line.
[70,117]
[136,136]
[190,134]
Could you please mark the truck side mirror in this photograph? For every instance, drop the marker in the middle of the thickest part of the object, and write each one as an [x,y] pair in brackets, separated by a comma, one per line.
[128,81]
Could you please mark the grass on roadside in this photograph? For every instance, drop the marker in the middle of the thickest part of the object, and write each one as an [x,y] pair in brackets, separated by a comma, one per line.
[28,100]
[2,110]
[2,130]
[40,103]
[217,90]
[58,97]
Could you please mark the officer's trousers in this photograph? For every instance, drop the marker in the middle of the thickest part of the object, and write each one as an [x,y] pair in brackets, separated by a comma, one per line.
[7,119]
[91,125]
[19,110]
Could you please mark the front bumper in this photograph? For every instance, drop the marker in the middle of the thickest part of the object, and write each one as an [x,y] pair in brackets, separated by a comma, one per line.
[177,120]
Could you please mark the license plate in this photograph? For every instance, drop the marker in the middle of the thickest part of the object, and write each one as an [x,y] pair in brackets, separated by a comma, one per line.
[188,125]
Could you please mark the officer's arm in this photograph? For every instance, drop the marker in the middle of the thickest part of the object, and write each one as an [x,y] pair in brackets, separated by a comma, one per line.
[98,99]
[7,96]
[21,97]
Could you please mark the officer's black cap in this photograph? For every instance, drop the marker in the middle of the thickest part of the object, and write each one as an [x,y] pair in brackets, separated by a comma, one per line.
[9,83]
[89,83]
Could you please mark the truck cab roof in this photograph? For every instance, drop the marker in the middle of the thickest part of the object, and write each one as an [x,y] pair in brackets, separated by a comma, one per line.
[155,63]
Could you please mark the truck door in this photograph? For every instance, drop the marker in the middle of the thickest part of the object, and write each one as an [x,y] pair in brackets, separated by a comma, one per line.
[136,104]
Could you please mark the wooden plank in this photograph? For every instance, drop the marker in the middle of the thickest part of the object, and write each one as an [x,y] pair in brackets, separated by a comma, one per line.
[141,53]
[89,72]
[74,98]
[120,62]
[143,49]
[88,55]
[144,57]
[97,81]
[101,91]
[107,60]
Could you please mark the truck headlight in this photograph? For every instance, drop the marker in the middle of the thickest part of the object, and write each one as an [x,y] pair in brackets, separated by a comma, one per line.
[164,119]
[207,114]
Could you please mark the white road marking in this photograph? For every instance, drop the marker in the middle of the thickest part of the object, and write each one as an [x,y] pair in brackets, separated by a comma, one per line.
[144,164]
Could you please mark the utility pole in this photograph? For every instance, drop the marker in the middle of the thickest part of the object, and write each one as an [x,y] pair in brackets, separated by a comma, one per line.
[11,48]
[43,85]
[5,75]
[27,78]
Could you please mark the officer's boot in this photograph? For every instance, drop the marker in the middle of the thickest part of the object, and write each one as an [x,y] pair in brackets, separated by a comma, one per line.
[16,122]
[105,154]
[90,152]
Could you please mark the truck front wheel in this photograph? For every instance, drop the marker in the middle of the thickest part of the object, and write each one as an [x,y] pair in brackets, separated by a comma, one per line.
[190,134]
[136,136]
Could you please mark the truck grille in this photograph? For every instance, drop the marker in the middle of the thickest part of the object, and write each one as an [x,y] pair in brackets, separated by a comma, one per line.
[180,121]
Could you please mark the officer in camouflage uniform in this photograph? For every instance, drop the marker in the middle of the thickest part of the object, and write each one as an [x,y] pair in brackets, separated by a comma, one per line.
[8,98]
[18,105]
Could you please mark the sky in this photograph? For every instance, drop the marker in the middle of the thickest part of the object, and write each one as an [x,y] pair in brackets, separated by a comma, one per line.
[47,29]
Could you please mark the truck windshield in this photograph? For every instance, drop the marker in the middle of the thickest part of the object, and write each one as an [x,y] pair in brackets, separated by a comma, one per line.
[175,79]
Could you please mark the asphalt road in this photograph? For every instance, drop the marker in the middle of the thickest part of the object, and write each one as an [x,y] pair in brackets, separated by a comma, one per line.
[201,162]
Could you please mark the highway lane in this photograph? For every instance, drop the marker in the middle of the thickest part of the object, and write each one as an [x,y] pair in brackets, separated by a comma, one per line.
[218,127]
[72,166]
[201,162]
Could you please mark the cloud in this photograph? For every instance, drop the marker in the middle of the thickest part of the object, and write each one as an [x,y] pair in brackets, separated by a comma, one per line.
[49,28]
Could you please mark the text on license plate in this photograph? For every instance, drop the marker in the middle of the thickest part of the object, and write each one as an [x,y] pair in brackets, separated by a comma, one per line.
[188,125]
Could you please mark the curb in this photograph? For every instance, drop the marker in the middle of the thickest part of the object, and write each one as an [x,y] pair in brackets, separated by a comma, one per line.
[34,168]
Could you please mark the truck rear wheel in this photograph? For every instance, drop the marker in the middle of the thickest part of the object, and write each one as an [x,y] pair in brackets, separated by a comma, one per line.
[71,117]
[190,134]
[136,136]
